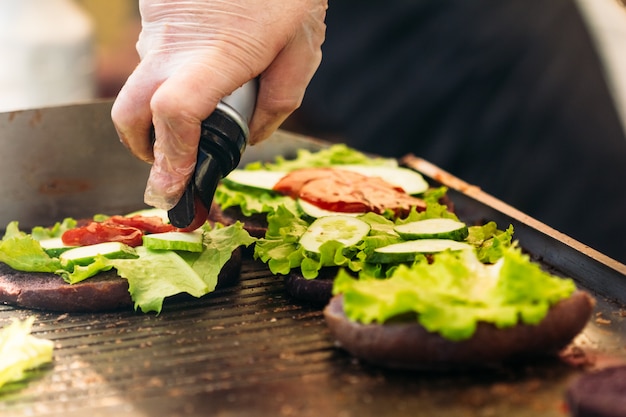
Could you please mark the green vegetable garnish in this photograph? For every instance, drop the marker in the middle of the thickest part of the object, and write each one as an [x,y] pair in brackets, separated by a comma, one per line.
[282,250]
[456,292]
[20,351]
[253,200]
[152,276]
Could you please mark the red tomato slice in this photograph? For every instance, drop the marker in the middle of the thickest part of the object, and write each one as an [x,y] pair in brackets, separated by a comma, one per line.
[100,232]
[149,224]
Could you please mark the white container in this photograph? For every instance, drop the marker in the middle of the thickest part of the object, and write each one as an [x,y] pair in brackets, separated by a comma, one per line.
[46,54]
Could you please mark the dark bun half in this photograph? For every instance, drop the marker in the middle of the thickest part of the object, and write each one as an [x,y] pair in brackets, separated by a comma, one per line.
[255,225]
[315,291]
[104,292]
[411,346]
[598,394]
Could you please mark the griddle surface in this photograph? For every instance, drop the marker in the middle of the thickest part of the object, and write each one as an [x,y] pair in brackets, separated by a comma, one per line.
[250,350]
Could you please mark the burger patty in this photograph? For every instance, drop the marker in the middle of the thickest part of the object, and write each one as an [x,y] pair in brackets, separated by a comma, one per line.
[315,291]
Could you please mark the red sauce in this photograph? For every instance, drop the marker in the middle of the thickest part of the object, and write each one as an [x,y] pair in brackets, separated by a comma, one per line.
[346,191]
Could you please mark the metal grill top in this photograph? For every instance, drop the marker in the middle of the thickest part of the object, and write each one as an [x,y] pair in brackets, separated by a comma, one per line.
[250,350]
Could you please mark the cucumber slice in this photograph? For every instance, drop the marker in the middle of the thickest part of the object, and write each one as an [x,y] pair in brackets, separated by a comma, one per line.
[54,246]
[345,229]
[259,179]
[408,251]
[84,255]
[412,182]
[433,228]
[315,212]
[186,241]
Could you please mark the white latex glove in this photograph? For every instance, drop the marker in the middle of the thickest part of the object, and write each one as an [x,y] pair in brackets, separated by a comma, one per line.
[194,53]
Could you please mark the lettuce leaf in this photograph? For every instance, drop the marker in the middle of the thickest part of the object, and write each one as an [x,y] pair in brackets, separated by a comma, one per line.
[219,243]
[337,154]
[20,351]
[490,241]
[22,252]
[80,273]
[156,275]
[454,293]
[40,232]
[279,249]
[251,201]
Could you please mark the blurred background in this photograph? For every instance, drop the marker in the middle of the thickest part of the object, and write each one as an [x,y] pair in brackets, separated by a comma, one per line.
[116,28]
[58,51]
[64,51]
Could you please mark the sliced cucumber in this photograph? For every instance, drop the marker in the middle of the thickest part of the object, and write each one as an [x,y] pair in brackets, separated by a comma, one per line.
[84,255]
[410,181]
[315,212]
[260,179]
[408,251]
[54,246]
[345,229]
[433,228]
[186,241]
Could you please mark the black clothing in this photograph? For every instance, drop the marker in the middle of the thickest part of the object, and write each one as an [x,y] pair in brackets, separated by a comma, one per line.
[507,95]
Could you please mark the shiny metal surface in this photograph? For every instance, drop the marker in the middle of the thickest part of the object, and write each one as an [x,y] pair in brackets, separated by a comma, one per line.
[68,161]
[249,350]
[65,161]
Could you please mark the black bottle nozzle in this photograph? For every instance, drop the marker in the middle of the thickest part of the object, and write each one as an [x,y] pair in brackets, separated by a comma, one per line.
[223,138]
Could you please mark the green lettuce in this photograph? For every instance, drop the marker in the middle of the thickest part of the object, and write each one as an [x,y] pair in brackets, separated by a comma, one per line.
[252,201]
[40,232]
[282,253]
[490,242]
[219,244]
[156,275]
[456,292]
[22,252]
[20,351]
[337,154]
[152,277]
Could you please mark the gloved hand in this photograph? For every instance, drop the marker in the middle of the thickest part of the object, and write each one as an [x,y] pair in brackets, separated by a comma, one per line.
[194,53]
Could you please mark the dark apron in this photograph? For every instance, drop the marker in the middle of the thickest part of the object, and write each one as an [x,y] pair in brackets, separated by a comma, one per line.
[508,95]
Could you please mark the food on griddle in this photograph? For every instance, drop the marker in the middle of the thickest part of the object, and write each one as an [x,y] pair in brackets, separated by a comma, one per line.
[457,312]
[255,223]
[304,251]
[600,393]
[106,291]
[249,194]
[334,181]
[113,262]
[21,351]
[338,189]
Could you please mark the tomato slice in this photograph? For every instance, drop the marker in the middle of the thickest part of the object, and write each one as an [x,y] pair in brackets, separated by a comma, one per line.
[100,232]
[148,224]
